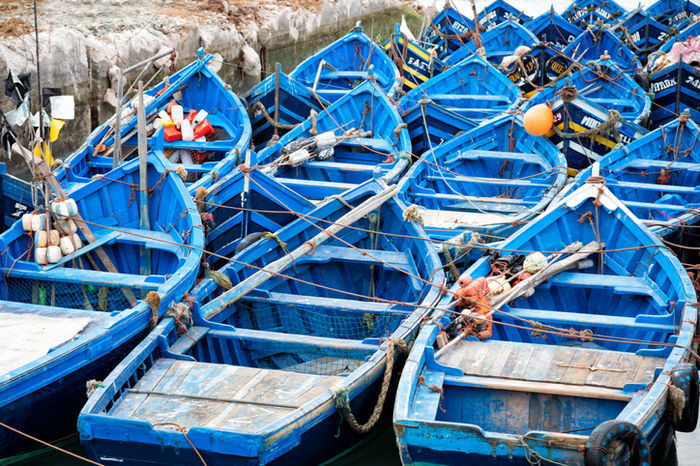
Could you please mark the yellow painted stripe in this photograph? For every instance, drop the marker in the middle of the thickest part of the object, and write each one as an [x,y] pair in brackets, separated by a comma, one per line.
[578,128]
[415,73]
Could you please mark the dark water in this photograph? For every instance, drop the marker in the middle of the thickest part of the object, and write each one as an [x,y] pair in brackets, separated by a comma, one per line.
[380,449]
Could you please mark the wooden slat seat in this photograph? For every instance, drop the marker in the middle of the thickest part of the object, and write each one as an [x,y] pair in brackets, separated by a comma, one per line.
[620,284]
[580,318]
[488,154]
[197,394]
[566,365]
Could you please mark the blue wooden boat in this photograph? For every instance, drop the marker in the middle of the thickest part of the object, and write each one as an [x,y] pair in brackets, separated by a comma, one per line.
[692,30]
[657,176]
[459,99]
[585,12]
[416,65]
[277,103]
[498,12]
[554,34]
[498,42]
[674,13]
[491,180]
[642,32]
[339,67]
[69,322]
[253,381]
[598,96]
[578,372]
[360,136]
[675,88]
[200,89]
[597,43]
[550,27]
[242,207]
[15,198]
[447,32]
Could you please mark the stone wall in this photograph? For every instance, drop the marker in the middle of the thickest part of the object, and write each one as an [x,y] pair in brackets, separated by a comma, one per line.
[82,41]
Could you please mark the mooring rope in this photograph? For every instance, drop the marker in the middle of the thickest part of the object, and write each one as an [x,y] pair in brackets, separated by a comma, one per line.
[394,347]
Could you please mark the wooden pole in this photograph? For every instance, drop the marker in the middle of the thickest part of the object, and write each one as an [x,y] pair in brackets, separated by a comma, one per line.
[242,288]
[277,96]
[245,195]
[144,223]
[43,168]
[116,155]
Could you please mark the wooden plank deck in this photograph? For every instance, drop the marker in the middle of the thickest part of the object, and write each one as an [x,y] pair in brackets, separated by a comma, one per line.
[189,394]
[548,363]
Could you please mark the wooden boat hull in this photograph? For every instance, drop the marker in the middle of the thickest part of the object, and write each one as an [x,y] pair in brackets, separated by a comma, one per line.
[633,173]
[62,398]
[336,69]
[110,324]
[447,104]
[499,42]
[489,180]
[585,12]
[520,395]
[498,12]
[201,88]
[675,89]
[295,103]
[383,153]
[445,31]
[328,435]
[283,342]
[593,45]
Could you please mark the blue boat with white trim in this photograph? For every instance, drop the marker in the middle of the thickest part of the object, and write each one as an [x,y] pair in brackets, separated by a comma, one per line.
[490,180]
[586,322]
[269,365]
[341,66]
[459,99]
[73,320]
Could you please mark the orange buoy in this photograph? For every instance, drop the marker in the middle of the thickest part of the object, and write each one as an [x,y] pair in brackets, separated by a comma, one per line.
[538,120]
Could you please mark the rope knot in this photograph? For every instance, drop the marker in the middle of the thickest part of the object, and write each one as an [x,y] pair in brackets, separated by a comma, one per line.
[182,314]
[412,214]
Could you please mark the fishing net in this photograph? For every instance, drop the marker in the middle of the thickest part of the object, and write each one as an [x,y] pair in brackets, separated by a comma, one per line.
[67,295]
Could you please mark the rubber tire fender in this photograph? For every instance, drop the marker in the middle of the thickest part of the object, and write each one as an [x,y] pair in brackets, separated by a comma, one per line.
[685,377]
[613,430]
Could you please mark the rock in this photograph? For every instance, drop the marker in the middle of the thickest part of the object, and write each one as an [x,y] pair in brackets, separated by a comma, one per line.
[250,61]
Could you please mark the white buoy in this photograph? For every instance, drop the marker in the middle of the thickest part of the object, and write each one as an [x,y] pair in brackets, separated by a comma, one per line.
[54,254]
[77,243]
[38,222]
[72,207]
[186,130]
[54,238]
[66,245]
[40,256]
[176,114]
[27,222]
[199,117]
[40,238]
